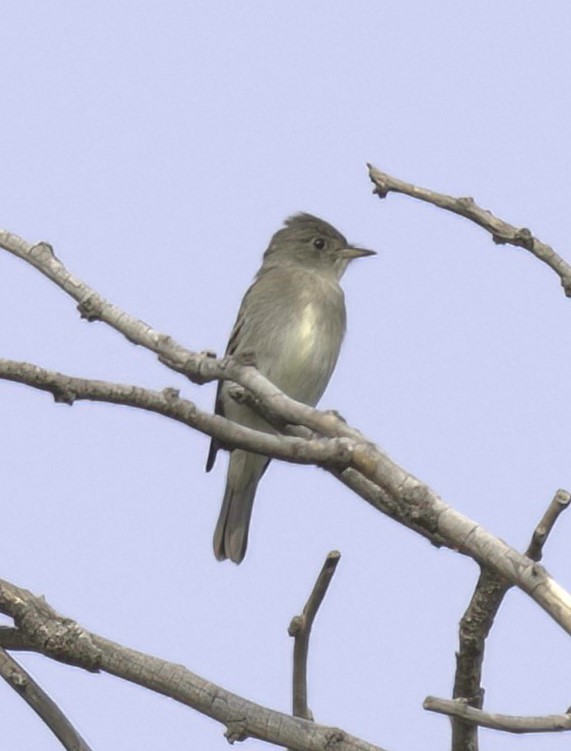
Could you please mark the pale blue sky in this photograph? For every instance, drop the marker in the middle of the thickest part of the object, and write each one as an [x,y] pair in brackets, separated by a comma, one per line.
[157,146]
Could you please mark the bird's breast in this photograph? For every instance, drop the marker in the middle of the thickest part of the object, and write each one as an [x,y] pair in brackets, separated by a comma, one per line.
[307,330]
[312,337]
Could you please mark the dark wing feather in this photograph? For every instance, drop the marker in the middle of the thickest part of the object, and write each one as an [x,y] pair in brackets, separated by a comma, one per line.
[214,444]
[219,405]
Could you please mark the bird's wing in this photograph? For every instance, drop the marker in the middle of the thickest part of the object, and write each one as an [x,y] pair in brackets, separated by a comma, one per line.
[214,444]
[219,404]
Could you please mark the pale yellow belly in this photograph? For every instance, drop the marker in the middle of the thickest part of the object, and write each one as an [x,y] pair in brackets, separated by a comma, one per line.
[305,363]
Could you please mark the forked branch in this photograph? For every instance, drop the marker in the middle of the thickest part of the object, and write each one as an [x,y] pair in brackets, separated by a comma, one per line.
[475,627]
[40,629]
[300,629]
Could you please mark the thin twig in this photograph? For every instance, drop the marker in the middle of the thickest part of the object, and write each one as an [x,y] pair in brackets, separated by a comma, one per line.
[508,723]
[560,502]
[502,232]
[300,629]
[23,683]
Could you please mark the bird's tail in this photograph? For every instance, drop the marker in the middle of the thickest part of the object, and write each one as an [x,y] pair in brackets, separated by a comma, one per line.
[231,534]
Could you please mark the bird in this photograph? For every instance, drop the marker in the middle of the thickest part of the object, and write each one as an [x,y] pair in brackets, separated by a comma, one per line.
[293,318]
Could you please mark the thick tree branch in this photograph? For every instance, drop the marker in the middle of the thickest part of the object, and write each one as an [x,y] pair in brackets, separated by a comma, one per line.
[502,232]
[300,629]
[477,622]
[508,723]
[23,683]
[42,630]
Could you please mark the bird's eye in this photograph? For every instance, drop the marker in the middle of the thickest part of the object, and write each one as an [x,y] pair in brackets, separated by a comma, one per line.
[319,243]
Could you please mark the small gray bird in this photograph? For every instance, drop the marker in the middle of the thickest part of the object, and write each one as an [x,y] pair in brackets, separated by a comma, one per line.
[293,319]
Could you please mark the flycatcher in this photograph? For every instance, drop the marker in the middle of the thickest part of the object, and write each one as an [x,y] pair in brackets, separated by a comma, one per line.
[293,319]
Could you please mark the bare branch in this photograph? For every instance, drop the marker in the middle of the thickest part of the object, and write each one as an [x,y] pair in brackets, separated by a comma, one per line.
[475,626]
[300,629]
[67,389]
[44,631]
[12,638]
[406,499]
[477,622]
[199,367]
[502,232]
[508,723]
[23,683]
[560,502]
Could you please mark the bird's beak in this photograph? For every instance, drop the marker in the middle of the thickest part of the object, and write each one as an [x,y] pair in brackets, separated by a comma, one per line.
[354,252]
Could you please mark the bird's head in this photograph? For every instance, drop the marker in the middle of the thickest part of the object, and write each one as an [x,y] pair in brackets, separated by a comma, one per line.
[310,242]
